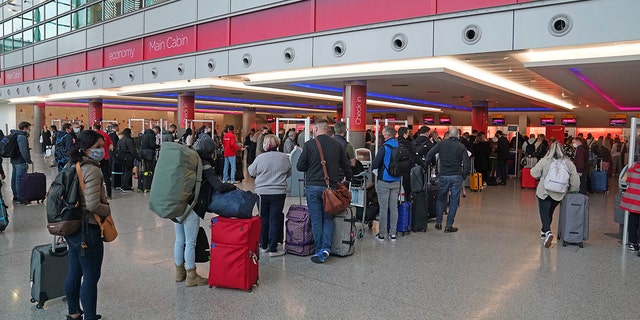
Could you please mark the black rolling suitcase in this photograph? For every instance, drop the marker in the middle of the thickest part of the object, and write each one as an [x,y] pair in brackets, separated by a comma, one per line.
[239,167]
[116,175]
[33,186]
[4,215]
[49,265]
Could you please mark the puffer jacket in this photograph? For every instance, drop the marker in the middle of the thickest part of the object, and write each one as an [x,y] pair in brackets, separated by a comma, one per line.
[95,195]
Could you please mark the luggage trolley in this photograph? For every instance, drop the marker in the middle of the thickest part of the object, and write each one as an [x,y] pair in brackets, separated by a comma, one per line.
[358,188]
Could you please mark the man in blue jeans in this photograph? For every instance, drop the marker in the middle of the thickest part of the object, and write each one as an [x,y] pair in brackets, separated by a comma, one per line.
[454,168]
[309,162]
[20,160]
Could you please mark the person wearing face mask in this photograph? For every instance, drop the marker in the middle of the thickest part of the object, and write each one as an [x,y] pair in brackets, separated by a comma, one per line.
[104,162]
[63,143]
[20,160]
[85,264]
[581,161]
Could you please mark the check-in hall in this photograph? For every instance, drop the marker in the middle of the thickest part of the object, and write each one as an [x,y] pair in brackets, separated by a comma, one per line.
[530,71]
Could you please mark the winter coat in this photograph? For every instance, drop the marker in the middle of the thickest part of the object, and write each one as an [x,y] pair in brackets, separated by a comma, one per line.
[631,198]
[540,171]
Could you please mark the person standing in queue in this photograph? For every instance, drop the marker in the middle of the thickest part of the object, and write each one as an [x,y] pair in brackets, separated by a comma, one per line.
[387,186]
[581,162]
[309,162]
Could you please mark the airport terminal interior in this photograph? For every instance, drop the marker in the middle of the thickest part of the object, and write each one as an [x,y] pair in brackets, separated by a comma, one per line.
[525,67]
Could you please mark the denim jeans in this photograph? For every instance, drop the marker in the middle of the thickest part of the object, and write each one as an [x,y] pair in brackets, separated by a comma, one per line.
[229,161]
[321,222]
[271,206]
[448,184]
[547,206]
[388,201]
[81,284]
[184,248]
[19,169]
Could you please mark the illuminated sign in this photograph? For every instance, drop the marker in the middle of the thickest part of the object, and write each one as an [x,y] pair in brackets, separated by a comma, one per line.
[445,119]
[569,121]
[547,121]
[617,122]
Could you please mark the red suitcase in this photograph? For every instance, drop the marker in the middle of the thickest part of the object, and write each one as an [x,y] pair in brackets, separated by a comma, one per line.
[527,181]
[234,253]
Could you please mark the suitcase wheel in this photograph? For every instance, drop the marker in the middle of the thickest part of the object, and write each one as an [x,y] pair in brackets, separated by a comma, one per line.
[564,244]
[33,300]
[39,306]
[581,245]
[360,234]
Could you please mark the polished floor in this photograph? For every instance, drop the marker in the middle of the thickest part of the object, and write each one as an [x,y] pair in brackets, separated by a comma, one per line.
[494,268]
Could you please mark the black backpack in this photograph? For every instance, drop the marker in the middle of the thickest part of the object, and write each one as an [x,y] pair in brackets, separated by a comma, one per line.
[9,146]
[64,207]
[530,150]
[61,150]
[400,163]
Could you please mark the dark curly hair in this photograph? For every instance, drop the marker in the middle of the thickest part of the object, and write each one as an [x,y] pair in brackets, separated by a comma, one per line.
[85,140]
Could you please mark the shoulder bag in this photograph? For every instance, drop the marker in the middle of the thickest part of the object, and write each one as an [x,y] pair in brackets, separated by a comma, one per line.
[107,226]
[334,200]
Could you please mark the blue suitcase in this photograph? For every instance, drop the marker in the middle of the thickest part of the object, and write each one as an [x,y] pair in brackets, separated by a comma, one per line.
[404,218]
[599,181]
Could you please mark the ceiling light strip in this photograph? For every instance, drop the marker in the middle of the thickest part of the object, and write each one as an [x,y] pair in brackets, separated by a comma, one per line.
[595,88]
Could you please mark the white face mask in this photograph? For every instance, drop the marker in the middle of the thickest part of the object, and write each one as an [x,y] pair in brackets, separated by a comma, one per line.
[76,130]
[575,145]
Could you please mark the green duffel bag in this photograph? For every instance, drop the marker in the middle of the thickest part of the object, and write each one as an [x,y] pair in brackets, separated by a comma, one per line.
[176,182]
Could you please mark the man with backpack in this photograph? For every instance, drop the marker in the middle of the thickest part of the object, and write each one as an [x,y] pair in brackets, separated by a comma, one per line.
[63,143]
[20,157]
[388,183]
[454,168]
[422,144]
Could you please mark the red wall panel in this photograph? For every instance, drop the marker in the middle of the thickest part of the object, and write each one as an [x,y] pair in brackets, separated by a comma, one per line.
[2,78]
[45,69]
[123,53]
[28,72]
[170,43]
[334,14]
[445,6]
[94,59]
[72,64]
[283,21]
[213,35]
[12,76]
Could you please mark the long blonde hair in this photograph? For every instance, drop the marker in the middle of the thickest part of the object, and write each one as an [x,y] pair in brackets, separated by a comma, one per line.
[556,151]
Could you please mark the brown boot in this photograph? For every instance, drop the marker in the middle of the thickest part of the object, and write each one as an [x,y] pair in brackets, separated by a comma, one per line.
[193,279]
[181,273]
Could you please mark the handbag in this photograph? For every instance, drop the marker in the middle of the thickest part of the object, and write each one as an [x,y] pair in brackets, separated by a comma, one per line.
[203,247]
[233,204]
[108,231]
[334,200]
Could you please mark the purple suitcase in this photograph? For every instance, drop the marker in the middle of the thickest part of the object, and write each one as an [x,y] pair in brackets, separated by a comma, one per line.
[298,227]
[33,187]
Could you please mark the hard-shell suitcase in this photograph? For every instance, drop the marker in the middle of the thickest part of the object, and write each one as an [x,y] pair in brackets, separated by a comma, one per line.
[404,218]
[116,175]
[344,233]
[618,214]
[599,181]
[432,201]
[299,239]
[4,215]
[573,224]
[33,187]
[527,181]
[234,253]
[475,182]
[49,265]
[420,212]
[239,167]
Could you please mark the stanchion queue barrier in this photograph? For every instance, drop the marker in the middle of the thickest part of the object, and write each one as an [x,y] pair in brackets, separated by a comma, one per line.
[143,124]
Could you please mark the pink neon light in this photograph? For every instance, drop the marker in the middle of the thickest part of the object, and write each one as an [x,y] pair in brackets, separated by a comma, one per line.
[600,92]
[108,106]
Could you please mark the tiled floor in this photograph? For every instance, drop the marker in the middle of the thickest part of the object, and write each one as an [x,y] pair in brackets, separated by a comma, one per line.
[494,268]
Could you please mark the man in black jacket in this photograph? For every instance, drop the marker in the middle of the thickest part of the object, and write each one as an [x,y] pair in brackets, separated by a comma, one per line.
[454,168]
[503,151]
[310,163]
[403,139]
[148,147]
[422,144]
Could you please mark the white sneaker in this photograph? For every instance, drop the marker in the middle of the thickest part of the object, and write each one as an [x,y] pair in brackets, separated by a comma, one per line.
[264,250]
[548,239]
[277,253]
[542,235]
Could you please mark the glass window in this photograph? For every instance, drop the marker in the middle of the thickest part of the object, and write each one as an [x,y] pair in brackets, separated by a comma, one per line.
[27,37]
[38,33]
[17,23]
[79,19]
[112,9]
[27,19]
[152,2]
[77,3]
[50,10]
[64,6]
[50,29]
[94,14]
[38,14]
[8,27]
[7,44]
[64,24]
[131,5]
[17,41]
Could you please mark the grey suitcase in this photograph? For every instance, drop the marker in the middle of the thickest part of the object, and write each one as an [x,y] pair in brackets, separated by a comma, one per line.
[573,224]
[618,214]
[49,265]
[344,233]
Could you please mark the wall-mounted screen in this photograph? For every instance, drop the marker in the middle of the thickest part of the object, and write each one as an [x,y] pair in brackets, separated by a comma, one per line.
[445,120]
[428,120]
[617,122]
[271,119]
[498,121]
[569,121]
[547,121]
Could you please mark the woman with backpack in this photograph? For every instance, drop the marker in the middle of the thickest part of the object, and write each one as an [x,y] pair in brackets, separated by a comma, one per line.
[548,200]
[85,264]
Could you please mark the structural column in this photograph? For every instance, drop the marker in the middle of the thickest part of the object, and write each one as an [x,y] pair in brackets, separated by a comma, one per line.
[95,111]
[186,108]
[480,115]
[36,127]
[354,103]
[248,121]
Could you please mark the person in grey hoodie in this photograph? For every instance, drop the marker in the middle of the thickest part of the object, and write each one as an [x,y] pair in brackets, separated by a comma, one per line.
[20,160]
[271,169]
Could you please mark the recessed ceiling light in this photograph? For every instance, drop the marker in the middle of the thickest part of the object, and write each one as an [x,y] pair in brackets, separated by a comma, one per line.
[510,70]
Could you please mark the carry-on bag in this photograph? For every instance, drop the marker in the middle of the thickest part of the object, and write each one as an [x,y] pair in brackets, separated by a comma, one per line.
[475,182]
[344,233]
[420,212]
[404,218]
[33,186]
[573,224]
[234,253]
[4,215]
[49,265]
[599,181]
[299,238]
[527,181]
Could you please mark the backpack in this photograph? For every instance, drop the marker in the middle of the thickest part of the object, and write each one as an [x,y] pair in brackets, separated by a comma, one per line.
[417,179]
[557,179]
[61,150]
[530,149]
[9,146]
[176,182]
[400,161]
[64,209]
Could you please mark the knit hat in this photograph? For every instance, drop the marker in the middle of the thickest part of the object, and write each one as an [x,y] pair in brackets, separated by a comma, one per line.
[205,147]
